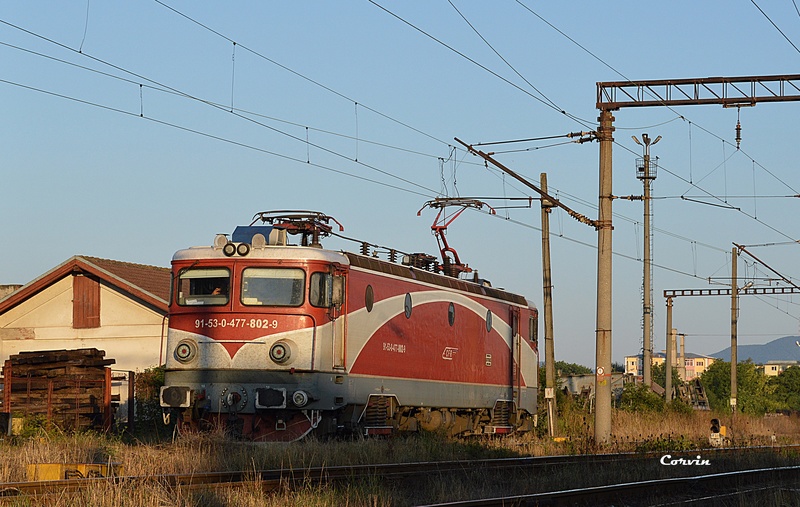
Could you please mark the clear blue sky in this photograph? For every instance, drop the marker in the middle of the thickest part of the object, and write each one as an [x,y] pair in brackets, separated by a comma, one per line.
[117,139]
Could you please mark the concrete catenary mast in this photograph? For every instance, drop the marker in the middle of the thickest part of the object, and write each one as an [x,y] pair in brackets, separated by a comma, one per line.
[611,96]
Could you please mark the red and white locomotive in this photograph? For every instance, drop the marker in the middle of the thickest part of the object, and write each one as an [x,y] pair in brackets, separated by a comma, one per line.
[274,341]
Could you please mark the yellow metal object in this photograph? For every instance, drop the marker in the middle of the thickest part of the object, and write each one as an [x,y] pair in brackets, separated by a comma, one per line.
[61,471]
[723,431]
[17,425]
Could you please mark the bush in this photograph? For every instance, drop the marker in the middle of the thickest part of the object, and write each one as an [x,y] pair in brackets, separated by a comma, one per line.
[640,398]
[147,388]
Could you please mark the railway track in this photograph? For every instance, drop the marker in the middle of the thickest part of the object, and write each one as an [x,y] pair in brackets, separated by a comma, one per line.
[669,491]
[278,479]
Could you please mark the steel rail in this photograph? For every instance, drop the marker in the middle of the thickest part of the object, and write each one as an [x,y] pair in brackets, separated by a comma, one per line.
[273,480]
[653,488]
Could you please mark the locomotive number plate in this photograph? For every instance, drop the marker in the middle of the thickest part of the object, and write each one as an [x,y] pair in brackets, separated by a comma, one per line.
[394,347]
[234,322]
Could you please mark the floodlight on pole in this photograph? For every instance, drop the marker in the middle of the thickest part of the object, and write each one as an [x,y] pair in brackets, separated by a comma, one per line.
[646,172]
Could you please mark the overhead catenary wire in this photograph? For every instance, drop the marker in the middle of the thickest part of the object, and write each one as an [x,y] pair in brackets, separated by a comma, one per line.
[775,25]
[623,76]
[220,106]
[268,152]
[210,136]
[232,41]
[298,74]
[189,96]
[159,86]
[140,85]
[475,62]
[545,97]
[564,112]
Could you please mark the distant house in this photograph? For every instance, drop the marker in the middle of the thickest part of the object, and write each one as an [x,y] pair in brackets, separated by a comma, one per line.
[775,368]
[88,302]
[693,364]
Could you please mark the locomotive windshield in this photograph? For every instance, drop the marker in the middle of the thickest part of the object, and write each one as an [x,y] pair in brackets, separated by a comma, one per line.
[273,286]
[203,286]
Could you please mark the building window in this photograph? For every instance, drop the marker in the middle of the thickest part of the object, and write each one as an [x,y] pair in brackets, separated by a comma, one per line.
[85,302]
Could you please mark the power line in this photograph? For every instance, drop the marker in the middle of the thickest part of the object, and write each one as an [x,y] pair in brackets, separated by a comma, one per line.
[219,107]
[678,116]
[210,136]
[552,104]
[327,168]
[216,104]
[473,61]
[776,26]
[430,36]
[298,74]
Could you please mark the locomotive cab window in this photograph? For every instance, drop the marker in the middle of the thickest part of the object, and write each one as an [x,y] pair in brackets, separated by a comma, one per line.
[273,286]
[326,290]
[203,286]
[533,329]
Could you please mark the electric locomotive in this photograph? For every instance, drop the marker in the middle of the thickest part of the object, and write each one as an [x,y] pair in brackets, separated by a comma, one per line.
[272,340]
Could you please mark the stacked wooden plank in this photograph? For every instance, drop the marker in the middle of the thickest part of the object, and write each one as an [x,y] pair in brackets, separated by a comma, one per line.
[69,387]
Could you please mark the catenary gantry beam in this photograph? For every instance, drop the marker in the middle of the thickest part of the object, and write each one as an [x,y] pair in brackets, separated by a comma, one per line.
[756,291]
[727,91]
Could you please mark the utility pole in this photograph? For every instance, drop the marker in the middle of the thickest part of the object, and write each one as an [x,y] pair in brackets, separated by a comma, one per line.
[734,325]
[612,96]
[647,176]
[547,282]
[668,358]
[602,390]
[551,202]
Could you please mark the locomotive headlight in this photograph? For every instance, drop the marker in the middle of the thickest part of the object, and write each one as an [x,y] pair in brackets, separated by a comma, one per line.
[243,249]
[300,398]
[280,352]
[229,249]
[186,351]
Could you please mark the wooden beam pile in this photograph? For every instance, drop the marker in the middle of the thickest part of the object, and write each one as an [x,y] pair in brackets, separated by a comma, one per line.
[70,387]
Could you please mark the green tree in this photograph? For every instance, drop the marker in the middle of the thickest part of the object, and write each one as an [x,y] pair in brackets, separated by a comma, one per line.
[640,398]
[571,369]
[786,388]
[754,393]
[659,376]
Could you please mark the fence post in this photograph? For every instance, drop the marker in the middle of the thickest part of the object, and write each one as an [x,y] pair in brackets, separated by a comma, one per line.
[107,401]
[131,401]
[7,374]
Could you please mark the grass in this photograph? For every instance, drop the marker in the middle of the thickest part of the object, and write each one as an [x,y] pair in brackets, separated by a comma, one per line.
[662,432]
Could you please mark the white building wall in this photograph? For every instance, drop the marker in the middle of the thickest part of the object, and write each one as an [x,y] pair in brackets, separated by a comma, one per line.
[129,332]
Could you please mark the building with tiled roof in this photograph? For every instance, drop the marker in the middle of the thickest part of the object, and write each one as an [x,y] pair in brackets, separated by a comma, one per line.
[89,302]
[693,364]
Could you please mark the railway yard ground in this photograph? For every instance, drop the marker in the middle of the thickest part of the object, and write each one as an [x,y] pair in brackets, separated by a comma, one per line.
[670,451]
